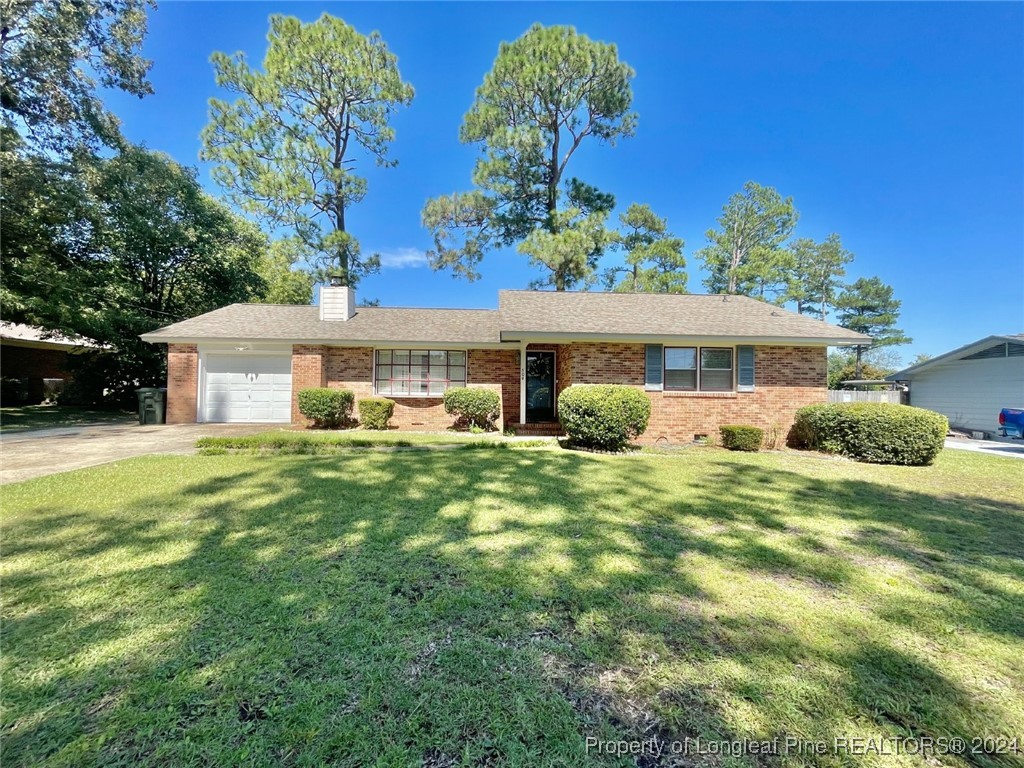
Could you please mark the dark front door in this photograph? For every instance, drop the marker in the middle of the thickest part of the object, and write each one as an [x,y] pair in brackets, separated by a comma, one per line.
[540,387]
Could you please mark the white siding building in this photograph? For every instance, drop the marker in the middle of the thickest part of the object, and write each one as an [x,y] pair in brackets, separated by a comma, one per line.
[972,384]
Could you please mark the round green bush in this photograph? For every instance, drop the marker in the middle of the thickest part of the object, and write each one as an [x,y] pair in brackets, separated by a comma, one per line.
[473,407]
[375,412]
[603,415]
[740,437]
[326,407]
[879,433]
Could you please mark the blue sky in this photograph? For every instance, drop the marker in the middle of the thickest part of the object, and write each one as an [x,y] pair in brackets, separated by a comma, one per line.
[899,126]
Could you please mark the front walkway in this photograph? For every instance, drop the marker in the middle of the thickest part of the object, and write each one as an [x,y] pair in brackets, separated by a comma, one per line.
[47,451]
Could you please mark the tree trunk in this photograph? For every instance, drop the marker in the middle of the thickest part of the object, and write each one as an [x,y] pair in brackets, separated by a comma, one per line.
[856,369]
[339,225]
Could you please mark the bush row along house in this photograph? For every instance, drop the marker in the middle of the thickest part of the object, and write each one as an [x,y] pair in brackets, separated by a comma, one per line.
[704,360]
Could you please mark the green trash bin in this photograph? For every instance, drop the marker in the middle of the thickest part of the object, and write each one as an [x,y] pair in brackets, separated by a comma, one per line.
[152,405]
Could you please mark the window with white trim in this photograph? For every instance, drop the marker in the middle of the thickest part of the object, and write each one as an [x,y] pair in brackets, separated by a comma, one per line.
[715,373]
[418,372]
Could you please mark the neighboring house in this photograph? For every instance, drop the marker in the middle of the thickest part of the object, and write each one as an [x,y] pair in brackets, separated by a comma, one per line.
[703,360]
[970,385]
[33,360]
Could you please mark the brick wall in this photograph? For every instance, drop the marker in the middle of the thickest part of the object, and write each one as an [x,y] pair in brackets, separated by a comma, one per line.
[786,378]
[182,383]
[308,370]
[34,365]
[352,368]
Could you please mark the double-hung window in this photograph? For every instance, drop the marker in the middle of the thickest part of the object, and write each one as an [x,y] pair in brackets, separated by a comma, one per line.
[707,369]
[715,369]
[418,372]
[680,368]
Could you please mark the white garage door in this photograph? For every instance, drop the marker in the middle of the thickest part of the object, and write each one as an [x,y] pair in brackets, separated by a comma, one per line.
[248,388]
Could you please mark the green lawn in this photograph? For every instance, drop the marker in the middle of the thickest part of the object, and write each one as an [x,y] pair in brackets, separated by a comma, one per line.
[331,441]
[493,608]
[26,417]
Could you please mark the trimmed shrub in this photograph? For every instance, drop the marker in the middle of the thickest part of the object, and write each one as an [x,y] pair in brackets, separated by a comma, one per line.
[603,415]
[374,412]
[473,407]
[816,428]
[326,407]
[879,433]
[740,437]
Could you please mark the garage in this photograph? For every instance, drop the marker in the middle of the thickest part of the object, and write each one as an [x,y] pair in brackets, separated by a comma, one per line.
[247,388]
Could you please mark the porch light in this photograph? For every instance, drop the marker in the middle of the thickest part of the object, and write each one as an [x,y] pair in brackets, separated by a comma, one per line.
[335,281]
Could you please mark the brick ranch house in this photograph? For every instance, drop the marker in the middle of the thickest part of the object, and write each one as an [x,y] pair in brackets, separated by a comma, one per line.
[704,360]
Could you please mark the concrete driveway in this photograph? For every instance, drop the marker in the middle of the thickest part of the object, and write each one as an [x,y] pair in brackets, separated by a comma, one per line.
[47,451]
[1000,446]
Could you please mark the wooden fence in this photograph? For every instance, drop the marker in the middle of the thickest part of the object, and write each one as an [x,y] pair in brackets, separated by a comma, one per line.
[854,396]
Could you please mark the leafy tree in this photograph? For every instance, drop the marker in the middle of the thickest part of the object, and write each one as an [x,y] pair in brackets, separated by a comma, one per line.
[548,92]
[54,54]
[868,306]
[286,283]
[285,149]
[139,245]
[920,357]
[653,257]
[814,274]
[43,230]
[842,366]
[745,255]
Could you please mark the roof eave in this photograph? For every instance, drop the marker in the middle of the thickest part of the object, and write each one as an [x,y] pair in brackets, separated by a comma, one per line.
[967,349]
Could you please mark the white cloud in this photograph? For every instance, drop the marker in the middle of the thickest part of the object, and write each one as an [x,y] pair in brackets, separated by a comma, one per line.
[400,258]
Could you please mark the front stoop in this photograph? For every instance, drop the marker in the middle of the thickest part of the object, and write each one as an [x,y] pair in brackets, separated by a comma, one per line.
[539,429]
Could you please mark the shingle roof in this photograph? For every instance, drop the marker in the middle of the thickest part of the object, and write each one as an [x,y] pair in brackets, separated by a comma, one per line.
[286,322]
[520,314]
[41,336]
[658,314]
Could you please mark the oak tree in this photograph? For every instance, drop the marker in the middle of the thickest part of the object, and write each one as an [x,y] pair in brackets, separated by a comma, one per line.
[55,54]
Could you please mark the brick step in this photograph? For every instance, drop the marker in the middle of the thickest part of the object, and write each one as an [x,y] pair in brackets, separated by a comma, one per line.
[541,429]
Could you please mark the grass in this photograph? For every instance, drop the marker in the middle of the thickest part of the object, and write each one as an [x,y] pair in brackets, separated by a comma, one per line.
[28,417]
[442,608]
[287,441]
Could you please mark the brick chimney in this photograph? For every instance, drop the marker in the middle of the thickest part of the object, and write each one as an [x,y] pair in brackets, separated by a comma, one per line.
[337,301]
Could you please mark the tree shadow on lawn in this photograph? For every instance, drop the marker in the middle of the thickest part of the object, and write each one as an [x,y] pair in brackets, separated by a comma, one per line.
[480,609]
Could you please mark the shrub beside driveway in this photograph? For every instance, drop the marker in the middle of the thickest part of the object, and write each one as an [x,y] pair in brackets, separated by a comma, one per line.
[499,607]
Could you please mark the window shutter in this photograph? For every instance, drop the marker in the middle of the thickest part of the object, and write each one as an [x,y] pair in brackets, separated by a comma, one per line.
[653,373]
[745,369]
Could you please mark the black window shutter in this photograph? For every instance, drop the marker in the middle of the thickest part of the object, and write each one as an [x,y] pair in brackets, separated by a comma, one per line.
[653,374]
[745,369]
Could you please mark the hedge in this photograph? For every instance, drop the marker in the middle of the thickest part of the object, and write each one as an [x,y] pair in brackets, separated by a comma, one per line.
[375,412]
[603,415]
[473,407]
[326,407]
[879,433]
[740,437]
